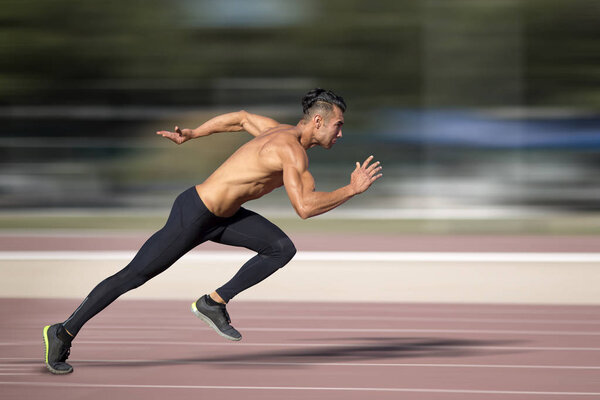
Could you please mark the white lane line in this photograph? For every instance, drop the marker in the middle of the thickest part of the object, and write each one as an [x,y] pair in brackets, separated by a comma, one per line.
[477,331]
[180,319]
[462,308]
[422,319]
[320,256]
[591,312]
[305,388]
[368,330]
[357,317]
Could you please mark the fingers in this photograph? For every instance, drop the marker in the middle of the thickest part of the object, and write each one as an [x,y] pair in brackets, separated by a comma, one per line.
[172,136]
[375,171]
[177,132]
[167,134]
[372,171]
[373,166]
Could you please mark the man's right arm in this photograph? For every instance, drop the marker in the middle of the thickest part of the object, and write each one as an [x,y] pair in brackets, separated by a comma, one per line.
[231,122]
[300,185]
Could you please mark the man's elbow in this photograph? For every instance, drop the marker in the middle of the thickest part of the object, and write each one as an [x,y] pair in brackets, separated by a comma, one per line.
[303,212]
[304,215]
[242,117]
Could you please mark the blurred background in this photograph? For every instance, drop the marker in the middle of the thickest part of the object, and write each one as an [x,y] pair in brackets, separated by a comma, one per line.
[478,110]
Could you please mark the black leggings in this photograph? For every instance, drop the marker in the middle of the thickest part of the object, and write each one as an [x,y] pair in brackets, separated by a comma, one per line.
[191,223]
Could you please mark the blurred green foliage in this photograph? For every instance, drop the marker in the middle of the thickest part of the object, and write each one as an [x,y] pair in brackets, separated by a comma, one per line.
[374,52]
[84,85]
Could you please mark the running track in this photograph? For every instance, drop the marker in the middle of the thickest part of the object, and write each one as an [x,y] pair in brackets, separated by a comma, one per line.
[156,349]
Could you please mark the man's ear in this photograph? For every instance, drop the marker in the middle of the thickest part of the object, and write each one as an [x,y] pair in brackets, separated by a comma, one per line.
[318,120]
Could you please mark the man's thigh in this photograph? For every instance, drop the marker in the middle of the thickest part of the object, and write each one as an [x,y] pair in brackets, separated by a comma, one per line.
[250,230]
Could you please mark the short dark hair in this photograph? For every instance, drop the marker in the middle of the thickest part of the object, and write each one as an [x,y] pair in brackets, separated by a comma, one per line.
[322,98]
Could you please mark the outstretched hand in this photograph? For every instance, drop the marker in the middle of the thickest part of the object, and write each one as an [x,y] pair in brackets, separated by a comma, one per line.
[364,175]
[179,136]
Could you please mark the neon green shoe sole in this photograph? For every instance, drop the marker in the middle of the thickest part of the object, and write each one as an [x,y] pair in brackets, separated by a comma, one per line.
[55,351]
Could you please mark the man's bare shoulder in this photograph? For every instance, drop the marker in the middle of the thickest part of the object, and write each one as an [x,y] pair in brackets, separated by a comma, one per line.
[284,136]
[281,128]
[283,141]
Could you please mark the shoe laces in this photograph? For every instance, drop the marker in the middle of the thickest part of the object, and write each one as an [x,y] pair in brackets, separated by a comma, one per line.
[225,313]
[65,351]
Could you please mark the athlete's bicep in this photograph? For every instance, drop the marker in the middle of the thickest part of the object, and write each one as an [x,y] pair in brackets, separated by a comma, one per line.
[256,124]
[298,182]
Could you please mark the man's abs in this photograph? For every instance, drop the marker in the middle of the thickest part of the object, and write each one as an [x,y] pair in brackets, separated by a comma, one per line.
[251,172]
[224,199]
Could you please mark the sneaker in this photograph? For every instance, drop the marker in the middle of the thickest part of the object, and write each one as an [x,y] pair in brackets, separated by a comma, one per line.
[57,351]
[216,317]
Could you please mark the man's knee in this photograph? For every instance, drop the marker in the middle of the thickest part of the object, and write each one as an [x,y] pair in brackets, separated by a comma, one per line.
[284,249]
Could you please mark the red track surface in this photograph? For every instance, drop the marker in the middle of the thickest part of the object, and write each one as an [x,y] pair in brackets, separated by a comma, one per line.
[158,349]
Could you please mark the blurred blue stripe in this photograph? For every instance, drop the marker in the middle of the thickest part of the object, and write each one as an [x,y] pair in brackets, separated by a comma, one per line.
[473,129]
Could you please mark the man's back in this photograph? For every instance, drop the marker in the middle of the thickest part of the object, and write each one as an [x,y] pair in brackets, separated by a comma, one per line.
[252,171]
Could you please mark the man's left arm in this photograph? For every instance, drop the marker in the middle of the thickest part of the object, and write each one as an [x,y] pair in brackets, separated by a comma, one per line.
[231,122]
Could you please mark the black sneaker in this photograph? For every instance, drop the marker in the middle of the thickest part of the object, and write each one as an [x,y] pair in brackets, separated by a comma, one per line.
[57,351]
[216,317]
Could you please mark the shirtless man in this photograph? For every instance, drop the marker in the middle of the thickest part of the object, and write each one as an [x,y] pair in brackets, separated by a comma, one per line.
[213,211]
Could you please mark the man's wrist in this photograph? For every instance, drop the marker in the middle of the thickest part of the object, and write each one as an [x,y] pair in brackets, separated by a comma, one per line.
[195,133]
[351,191]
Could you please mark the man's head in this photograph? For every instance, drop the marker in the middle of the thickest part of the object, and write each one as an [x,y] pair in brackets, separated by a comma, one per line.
[325,110]
[321,100]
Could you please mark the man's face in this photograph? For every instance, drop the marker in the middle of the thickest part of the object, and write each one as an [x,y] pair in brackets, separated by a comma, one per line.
[330,128]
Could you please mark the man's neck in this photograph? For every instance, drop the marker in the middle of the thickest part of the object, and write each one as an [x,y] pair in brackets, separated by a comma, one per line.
[306,136]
